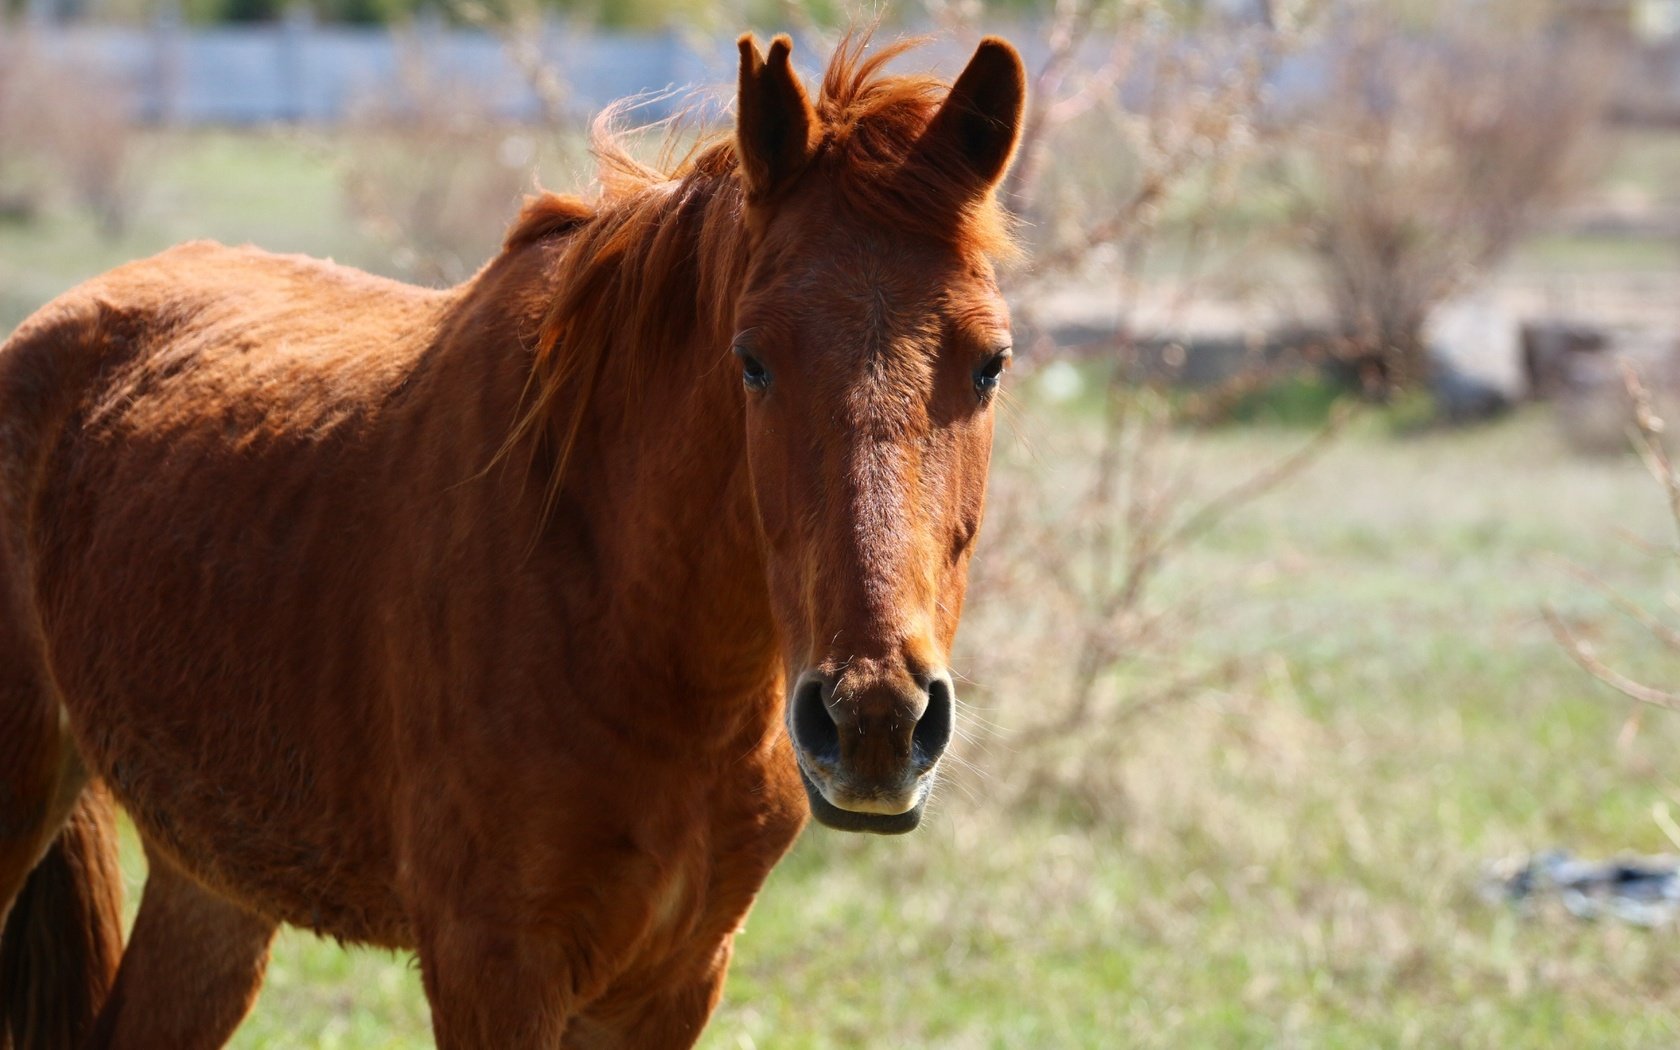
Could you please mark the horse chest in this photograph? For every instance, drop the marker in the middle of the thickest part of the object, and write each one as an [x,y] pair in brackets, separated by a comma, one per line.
[702,902]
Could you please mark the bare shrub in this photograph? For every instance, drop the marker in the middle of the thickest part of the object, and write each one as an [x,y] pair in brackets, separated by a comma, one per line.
[1425,158]
[1129,165]
[433,171]
[93,144]
[64,125]
[519,25]
[1077,631]
[1137,150]
[20,187]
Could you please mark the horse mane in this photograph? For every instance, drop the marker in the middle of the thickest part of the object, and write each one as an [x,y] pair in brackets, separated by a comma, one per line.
[662,247]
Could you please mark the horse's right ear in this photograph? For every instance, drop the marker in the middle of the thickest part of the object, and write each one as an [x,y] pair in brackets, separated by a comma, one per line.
[776,130]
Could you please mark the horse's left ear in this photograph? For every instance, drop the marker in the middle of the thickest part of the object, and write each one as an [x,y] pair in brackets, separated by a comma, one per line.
[776,130]
[980,121]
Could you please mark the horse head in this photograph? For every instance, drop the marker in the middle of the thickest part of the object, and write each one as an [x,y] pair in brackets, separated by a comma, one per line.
[871,338]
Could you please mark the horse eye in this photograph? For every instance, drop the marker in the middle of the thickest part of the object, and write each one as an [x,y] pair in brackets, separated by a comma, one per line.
[753,373]
[986,379]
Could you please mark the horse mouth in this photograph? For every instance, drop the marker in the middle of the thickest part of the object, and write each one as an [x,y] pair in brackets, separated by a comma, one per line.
[831,816]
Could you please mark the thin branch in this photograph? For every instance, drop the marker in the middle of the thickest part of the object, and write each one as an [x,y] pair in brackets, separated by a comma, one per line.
[1256,485]
[1583,654]
[1079,720]
[1662,632]
[1649,426]
[521,35]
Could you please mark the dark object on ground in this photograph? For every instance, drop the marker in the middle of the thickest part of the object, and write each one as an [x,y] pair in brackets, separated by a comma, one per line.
[1642,891]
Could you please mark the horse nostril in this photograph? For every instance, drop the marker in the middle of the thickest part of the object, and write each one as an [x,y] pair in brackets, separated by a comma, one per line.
[814,730]
[933,732]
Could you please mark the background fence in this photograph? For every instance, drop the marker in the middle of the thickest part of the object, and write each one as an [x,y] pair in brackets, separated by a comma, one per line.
[300,70]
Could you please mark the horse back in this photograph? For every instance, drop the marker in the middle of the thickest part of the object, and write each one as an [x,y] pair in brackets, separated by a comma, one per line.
[198,454]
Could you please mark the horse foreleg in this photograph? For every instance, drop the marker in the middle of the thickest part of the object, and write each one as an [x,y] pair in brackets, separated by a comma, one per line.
[192,969]
[671,1017]
[491,987]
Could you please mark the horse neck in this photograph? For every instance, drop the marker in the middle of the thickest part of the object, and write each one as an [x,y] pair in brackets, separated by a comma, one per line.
[656,478]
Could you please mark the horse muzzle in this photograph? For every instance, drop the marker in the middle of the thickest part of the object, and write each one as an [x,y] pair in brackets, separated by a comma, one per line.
[869,751]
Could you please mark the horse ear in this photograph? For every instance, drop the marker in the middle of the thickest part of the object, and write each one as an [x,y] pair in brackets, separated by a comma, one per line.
[981,119]
[776,130]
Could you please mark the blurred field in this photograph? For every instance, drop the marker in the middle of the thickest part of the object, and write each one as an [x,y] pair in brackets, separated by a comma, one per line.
[1289,862]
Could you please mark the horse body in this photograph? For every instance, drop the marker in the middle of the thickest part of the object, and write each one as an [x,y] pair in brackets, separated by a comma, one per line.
[277,576]
[307,607]
[258,507]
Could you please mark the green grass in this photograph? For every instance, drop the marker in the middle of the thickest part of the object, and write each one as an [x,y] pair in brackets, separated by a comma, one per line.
[1576,253]
[1288,862]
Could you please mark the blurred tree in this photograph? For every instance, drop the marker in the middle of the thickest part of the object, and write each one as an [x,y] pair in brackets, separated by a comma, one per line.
[1424,161]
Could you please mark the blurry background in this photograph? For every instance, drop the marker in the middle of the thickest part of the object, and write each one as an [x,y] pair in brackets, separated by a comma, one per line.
[1318,501]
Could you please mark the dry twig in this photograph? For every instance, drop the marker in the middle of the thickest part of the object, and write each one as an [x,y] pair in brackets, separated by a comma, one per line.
[1582,652]
[1647,433]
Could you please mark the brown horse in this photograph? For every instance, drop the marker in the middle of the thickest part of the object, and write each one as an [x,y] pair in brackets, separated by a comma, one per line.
[519,624]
